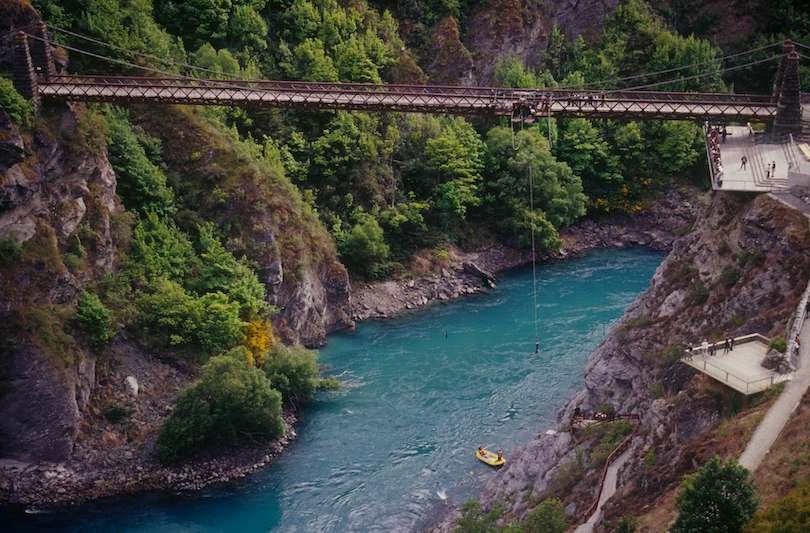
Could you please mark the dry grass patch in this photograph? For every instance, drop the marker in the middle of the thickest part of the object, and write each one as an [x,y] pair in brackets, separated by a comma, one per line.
[788,462]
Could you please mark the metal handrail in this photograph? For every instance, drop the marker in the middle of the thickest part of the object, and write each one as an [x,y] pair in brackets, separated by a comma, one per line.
[616,453]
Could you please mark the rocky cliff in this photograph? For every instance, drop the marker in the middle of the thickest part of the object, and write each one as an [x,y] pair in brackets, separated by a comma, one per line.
[509,28]
[58,201]
[737,265]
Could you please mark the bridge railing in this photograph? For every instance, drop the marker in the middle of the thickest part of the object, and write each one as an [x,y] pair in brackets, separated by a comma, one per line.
[614,455]
[493,92]
[417,98]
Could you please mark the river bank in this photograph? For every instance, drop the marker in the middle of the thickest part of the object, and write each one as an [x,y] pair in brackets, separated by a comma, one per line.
[117,458]
[739,266]
[656,226]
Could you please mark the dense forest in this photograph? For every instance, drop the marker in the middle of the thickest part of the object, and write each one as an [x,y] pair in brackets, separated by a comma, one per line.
[389,192]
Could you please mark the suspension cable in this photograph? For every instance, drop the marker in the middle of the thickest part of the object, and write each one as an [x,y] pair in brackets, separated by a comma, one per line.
[667,71]
[147,56]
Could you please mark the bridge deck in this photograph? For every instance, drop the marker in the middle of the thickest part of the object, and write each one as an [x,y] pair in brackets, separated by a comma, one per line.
[759,174]
[628,105]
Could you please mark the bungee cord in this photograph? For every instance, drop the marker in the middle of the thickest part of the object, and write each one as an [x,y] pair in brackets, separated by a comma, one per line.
[512,127]
[534,255]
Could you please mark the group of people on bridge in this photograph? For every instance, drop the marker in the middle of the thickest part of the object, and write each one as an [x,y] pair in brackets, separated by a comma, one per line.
[715,134]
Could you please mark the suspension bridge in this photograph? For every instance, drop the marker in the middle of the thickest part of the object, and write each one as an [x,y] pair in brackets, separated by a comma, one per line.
[36,76]
[782,113]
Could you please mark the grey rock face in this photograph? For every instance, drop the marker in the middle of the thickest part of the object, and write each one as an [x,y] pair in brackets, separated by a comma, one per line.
[42,408]
[625,369]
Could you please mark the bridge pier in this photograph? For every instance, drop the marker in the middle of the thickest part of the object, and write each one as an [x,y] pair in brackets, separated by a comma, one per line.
[787,90]
[25,78]
[41,52]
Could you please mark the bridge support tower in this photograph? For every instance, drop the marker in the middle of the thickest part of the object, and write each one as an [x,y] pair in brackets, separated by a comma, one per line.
[787,91]
[25,78]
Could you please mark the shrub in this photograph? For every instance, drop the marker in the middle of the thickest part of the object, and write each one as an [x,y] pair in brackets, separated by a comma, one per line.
[757,258]
[683,230]
[365,247]
[698,292]
[95,317]
[728,277]
[548,517]
[651,458]
[778,343]
[9,251]
[294,372]
[17,107]
[681,272]
[115,412]
[568,475]
[612,440]
[233,400]
[656,390]
[141,185]
[473,519]
[789,513]
[627,524]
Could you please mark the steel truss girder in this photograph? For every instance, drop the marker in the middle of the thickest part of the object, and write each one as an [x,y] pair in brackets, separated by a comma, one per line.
[624,105]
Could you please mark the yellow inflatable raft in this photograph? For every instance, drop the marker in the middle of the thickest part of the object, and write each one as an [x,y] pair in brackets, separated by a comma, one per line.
[490,458]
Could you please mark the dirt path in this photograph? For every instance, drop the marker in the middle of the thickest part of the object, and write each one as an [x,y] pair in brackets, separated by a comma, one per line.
[778,415]
[608,490]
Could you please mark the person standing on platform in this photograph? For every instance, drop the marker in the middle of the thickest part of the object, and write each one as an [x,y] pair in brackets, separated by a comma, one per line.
[744,161]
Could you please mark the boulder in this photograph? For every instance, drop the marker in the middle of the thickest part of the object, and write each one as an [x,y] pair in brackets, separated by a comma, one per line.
[773,360]
[131,385]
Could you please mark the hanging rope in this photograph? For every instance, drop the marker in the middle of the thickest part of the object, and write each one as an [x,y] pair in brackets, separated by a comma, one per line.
[512,126]
[534,268]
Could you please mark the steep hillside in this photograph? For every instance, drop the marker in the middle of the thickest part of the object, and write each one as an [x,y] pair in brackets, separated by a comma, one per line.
[635,370]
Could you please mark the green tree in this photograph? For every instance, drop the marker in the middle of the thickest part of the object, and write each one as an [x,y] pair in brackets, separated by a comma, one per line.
[96,319]
[308,62]
[195,21]
[677,145]
[232,400]
[718,498]
[141,185]
[548,517]
[219,328]
[454,160]
[126,24]
[18,108]
[246,27]
[531,171]
[221,271]
[171,312]
[584,149]
[221,60]
[159,250]
[365,247]
[294,372]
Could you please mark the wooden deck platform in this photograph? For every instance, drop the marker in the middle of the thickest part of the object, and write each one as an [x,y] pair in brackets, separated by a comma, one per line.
[740,368]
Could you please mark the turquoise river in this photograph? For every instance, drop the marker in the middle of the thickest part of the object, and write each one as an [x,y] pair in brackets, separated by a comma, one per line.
[421,392]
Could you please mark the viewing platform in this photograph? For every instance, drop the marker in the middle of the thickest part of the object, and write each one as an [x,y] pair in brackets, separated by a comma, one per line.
[782,166]
[739,368]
